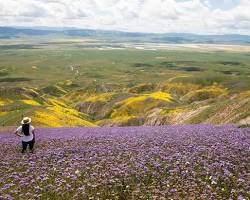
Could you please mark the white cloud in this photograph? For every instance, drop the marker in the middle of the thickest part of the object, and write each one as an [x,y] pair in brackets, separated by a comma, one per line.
[197,16]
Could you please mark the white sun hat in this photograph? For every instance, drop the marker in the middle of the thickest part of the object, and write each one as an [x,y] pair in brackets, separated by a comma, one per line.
[26,120]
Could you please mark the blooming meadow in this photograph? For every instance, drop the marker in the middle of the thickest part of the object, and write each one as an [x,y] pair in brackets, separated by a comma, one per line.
[165,162]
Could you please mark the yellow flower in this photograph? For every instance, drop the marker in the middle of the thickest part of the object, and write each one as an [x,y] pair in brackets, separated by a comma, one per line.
[31,102]
[77,172]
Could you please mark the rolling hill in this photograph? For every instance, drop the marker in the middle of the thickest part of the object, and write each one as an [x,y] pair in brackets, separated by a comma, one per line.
[118,36]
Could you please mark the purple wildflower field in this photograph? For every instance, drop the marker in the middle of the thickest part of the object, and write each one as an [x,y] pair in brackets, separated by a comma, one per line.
[165,162]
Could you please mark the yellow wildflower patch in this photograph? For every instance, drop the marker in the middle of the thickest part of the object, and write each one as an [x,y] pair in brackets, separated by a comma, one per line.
[4,102]
[3,114]
[57,116]
[31,102]
[156,95]
[179,88]
[139,104]
[207,93]
[101,98]
[57,102]
[245,94]
[131,100]
[217,90]
[161,96]
[52,119]
[62,111]
[47,119]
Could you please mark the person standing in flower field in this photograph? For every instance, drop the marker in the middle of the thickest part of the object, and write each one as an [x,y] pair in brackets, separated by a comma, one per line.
[27,133]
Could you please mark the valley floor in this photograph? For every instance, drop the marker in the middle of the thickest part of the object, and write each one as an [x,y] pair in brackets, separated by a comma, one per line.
[164,162]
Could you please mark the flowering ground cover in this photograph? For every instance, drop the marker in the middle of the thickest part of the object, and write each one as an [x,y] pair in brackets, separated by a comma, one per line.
[165,162]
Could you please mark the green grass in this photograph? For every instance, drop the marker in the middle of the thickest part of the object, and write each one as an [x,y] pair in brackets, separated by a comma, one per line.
[43,67]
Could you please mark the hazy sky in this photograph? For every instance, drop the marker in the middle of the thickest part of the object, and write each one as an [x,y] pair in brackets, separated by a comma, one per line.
[196,16]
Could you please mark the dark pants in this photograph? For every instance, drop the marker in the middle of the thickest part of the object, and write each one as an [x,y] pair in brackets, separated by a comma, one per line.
[30,144]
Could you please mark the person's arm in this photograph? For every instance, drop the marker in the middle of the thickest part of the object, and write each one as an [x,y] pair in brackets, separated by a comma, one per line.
[34,136]
[17,133]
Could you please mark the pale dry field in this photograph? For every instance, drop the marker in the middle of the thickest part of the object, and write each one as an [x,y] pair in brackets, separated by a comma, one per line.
[190,47]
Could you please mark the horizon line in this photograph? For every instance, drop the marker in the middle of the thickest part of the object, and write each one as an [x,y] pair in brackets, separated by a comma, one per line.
[65,28]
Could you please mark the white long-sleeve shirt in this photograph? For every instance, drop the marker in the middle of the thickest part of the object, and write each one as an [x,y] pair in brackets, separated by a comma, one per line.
[26,138]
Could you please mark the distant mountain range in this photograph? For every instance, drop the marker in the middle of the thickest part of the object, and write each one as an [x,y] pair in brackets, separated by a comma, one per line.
[118,36]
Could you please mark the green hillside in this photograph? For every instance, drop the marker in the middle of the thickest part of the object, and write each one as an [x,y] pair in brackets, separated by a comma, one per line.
[68,83]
